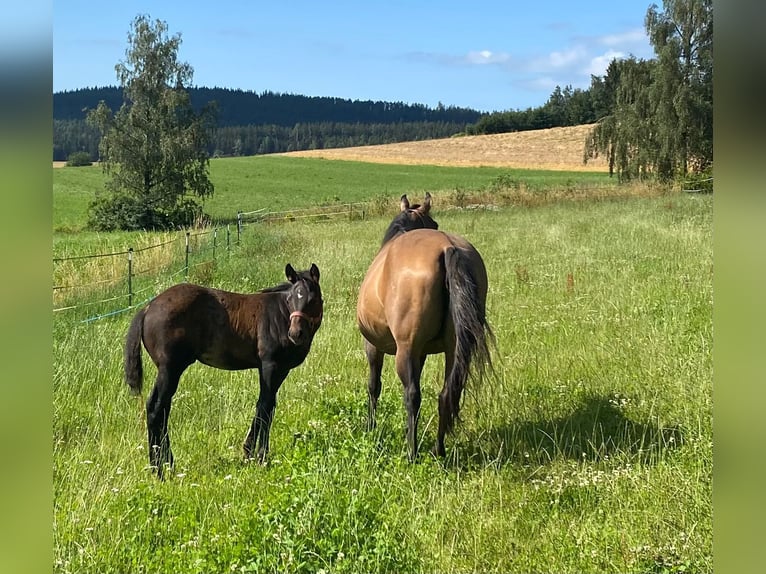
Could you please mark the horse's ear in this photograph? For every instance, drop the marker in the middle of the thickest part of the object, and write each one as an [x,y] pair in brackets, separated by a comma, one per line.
[405,203]
[292,276]
[426,207]
[314,272]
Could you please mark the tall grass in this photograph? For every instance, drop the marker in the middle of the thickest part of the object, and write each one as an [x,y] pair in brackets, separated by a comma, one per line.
[591,451]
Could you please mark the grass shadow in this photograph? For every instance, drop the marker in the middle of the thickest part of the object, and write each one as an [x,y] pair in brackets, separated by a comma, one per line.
[595,430]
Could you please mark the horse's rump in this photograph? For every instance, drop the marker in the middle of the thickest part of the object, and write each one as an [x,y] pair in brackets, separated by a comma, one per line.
[404,295]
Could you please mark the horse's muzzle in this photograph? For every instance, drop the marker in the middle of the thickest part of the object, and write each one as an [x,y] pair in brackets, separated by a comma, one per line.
[302,326]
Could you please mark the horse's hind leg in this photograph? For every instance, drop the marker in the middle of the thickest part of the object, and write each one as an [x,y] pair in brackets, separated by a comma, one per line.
[375,360]
[409,368]
[157,414]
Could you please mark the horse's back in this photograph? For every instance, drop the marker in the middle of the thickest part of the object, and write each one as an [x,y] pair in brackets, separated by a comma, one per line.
[403,296]
[187,321]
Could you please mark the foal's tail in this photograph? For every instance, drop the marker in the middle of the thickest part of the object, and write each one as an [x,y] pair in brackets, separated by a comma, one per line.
[134,368]
[473,335]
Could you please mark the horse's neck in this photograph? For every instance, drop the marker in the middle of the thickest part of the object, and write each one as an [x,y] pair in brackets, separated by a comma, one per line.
[275,303]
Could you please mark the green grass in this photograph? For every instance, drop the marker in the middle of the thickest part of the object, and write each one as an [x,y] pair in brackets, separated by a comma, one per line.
[590,452]
[250,183]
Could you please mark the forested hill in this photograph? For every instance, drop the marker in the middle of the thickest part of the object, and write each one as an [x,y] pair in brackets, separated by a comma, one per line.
[243,108]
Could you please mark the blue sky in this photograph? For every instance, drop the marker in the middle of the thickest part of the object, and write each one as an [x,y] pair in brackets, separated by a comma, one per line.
[488,55]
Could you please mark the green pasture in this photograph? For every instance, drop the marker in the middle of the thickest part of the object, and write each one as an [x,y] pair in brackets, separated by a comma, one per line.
[277,183]
[590,451]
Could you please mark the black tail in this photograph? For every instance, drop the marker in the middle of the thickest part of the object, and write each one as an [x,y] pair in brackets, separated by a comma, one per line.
[134,368]
[473,334]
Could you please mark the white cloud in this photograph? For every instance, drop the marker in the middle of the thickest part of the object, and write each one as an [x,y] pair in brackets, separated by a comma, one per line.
[635,36]
[487,57]
[566,58]
[599,64]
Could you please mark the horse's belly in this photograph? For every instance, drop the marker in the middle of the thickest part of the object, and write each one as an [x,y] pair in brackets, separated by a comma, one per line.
[377,333]
[228,362]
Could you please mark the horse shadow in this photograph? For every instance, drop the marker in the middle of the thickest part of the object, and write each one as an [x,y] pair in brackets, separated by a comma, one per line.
[596,430]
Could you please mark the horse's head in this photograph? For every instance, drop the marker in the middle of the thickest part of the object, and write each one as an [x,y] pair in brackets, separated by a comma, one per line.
[304,301]
[411,217]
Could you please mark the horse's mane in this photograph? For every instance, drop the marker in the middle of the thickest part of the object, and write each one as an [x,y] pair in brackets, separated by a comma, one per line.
[402,224]
[282,287]
[277,288]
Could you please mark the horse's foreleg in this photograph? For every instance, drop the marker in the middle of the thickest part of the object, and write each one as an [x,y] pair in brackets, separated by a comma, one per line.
[264,414]
[157,415]
[271,378]
[375,360]
[409,368]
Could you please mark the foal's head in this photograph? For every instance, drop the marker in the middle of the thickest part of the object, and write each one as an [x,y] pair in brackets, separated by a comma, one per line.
[304,301]
[411,217]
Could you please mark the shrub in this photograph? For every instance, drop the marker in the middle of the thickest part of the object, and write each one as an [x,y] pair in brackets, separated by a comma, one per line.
[121,211]
[79,158]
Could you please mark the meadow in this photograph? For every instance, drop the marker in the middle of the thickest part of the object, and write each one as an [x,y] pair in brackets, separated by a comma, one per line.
[590,451]
[277,183]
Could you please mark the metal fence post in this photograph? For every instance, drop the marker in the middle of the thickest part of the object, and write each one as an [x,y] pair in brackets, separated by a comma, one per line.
[130,277]
[215,237]
[239,225]
[186,268]
[228,238]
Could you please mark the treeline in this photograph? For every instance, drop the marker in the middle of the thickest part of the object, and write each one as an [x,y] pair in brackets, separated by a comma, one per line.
[248,123]
[70,136]
[251,124]
[243,108]
[264,139]
[565,107]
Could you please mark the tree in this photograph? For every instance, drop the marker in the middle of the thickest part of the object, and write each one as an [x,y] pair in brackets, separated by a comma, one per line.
[661,117]
[626,136]
[154,147]
[682,37]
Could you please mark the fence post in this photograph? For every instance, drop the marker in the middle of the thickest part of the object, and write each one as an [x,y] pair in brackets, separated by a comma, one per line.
[228,238]
[239,225]
[130,277]
[215,237]
[186,268]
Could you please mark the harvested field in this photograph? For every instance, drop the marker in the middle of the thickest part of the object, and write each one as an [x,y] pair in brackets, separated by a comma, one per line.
[553,148]
[558,149]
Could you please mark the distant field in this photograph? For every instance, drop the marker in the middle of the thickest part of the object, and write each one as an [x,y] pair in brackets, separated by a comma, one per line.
[278,182]
[558,149]
[553,149]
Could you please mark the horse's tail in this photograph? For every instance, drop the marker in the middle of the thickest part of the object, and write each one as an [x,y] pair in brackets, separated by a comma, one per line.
[134,368]
[473,335]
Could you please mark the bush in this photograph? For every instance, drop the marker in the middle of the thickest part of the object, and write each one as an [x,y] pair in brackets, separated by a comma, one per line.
[79,158]
[123,212]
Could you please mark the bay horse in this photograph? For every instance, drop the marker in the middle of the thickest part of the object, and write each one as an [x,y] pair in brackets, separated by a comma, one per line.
[271,330]
[424,293]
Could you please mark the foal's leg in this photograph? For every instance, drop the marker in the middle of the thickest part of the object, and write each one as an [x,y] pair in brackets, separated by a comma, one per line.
[409,368]
[157,414]
[271,377]
[375,360]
